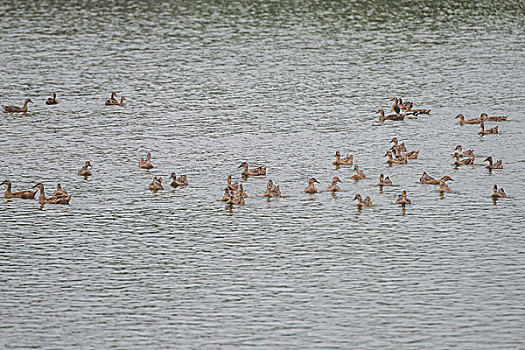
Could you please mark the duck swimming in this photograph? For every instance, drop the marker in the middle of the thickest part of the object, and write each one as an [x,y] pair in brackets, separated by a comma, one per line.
[84,171]
[60,192]
[395,117]
[443,187]
[272,190]
[311,188]
[240,192]
[463,121]
[485,117]
[146,164]
[497,165]
[42,199]
[156,184]
[109,102]
[466,161]
[358,174]
[112,100]
[469,153]
[19,194]
[402,199]
[52,100]
[391,161]
[429,180]
[343,161]
[260,171]
[367,202]
[401,146]
[498,193]
[333,187]
[490,131]
[16,109]
[384,181]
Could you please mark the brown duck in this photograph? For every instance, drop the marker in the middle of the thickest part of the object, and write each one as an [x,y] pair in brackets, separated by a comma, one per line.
[146,164]
[112,99]
[485,117]
[402,199]
[358,174]
[497,165]
[395,117]
[19,194]
[16,109]
[443,187]
[468,153]
[343,161]
[466,161]
[311,187]
[367,202]
[384,181]
[272,190]
[156,184]
[490,131]
[333,187]
[463,121]
[42,199]
[84,171]
[498,193]
[260,171]
[52,100]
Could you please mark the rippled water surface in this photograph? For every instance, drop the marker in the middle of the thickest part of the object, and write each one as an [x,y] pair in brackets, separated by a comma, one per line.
[210,84]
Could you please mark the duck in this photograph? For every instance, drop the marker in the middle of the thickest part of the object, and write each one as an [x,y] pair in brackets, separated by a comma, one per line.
[19,194]
[367,202]
[146,164]
[401,146]
[497,165]
[396,108]
[231,186]
[234,200]
[16,109]
[333,187]
[490,131]
[240,192]
[112,100]
[60,192]
[384,181]
[343,161]
[407,155]
[311,188]
[395,117]
[429,180]
[116,103]
[466,161]
[272,190]
[42,199]
[498,193]
[84,171]
[443,187]
[463,121]
[156,184]
[485,117]
[468,153]
[390,160]
[52,100]
[260,171]
[417,111]
[358,174]
[181,181]
[402,199]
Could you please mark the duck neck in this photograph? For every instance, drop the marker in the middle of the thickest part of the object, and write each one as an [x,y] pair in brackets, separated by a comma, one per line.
[8,190]
[42,196]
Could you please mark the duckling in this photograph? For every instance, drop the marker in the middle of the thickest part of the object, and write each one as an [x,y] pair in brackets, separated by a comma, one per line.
[84,171]
[490,131]
[395,117]
[359,174]
[390,160]
[363,203]
[463,121]
[497,165]
[19,194]
[60,192]
[384,181]
[42,199]
[52,100]
[156,184]
[402,199]
[343,161]
[16,109]
[443,187]
[146,164]
[498,193]
[260,171]
[485,117]
[401,146]
[466,161]
[112,100]
[272,190]
[311,188]
[468,153]
[333,187]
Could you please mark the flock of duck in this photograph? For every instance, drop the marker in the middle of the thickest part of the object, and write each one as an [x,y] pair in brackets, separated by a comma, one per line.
[234,193]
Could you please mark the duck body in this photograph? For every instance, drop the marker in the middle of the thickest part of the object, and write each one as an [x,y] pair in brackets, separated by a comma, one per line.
[146,164]
[311,188]
[84,171]
[466,161]
[260,171]
[272,190]
[156,184]
[491,165]
[463,121]
[485,117]
[358,174]
[384,181]
[394,117]
[16,109]
[390,160]
[367,202]
[490,131]
[468,153]
[498,193]
[110,102]
[443,187]
[333,187]
[20,194]
[402,199]
[343,161]
[60,192]
[52,100]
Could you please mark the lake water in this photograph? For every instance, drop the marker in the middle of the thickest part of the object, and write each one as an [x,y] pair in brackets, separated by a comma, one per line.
[210,84]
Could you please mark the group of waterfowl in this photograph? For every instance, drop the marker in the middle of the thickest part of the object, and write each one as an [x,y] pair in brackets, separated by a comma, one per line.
[234,193]
[111,101]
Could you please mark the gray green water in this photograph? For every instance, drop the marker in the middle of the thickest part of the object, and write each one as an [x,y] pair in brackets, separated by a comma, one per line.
[282,84]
